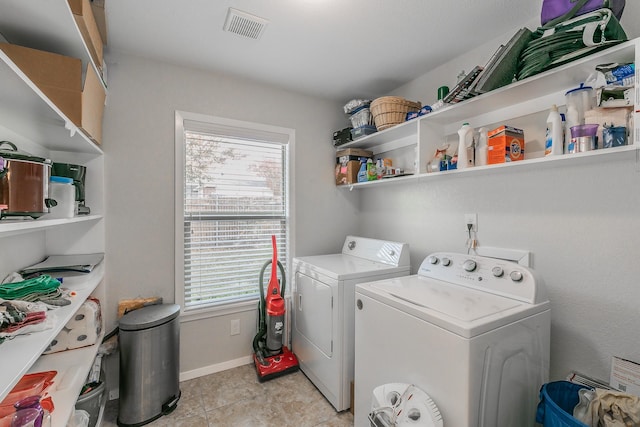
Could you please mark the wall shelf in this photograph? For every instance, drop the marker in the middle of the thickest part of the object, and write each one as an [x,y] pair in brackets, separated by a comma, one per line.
[527,97]
[10,227]
[36,125]
[20,353]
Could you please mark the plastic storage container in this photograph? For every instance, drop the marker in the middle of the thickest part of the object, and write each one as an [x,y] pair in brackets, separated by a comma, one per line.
[92,401]
[61,190]
[557,400]
[582,98]
[149,364]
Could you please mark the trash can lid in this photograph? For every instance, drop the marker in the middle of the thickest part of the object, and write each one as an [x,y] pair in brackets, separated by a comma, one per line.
[148,317]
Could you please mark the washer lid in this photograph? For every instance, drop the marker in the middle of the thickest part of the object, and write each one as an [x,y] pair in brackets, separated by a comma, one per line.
[342,267]
[464,311]
[148,317]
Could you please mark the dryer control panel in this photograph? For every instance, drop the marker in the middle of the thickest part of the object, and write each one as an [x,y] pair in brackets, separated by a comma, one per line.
[384,251]
[491,275]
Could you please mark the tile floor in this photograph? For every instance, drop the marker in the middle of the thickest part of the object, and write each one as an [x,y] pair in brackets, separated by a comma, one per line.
[236,398]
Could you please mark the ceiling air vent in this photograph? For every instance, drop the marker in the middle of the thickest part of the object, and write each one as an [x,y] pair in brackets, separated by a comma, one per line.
[244,24]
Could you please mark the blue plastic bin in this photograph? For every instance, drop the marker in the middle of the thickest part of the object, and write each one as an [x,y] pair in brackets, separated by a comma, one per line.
[557,400]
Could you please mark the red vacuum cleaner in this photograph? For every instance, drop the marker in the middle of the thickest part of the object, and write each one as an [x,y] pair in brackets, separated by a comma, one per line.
[272,359]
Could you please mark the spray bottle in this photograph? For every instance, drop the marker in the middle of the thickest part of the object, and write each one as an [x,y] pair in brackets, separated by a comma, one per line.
[553,141]
[465,147]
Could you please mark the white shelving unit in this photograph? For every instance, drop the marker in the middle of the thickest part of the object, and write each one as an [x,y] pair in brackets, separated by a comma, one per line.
[420,137]
[35,124]
[21,353]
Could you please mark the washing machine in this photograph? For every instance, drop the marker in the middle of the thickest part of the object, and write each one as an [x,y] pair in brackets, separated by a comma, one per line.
[323,309]
[471,331]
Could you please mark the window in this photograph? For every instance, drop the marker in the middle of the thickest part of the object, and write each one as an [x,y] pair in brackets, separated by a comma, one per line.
[232,195]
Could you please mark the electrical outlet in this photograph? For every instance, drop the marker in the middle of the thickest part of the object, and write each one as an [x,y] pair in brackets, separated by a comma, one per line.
[471,219]
[235,327]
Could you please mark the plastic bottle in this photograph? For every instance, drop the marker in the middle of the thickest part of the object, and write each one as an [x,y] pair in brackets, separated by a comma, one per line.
[553,140]
[481,149]
[362,173]
[61,190]
[465,147]
[572,119]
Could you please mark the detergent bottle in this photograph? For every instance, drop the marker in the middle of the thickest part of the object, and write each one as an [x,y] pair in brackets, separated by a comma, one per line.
[465,147]
[362,173]
[572,119]
[554,139]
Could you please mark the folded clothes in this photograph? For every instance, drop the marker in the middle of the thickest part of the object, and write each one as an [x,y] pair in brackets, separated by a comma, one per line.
[42,285]
[31,319]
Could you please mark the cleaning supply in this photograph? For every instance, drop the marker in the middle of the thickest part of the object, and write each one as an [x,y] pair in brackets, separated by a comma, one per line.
[372,171]
[465,147]
[271,358]
[554,139]
[362,173]
[572,119]
[481,149]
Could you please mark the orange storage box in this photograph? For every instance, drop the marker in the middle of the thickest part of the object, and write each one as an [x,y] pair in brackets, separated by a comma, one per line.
[505,144]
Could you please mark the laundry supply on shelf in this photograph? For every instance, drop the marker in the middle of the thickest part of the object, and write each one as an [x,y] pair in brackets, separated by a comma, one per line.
[465,147]
[554,140]
[505,144]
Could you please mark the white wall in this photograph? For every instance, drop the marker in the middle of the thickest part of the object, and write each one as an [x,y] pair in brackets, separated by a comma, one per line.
[139,164]
[580,221]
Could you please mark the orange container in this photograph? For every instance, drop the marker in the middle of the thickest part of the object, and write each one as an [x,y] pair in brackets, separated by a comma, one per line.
[505,144]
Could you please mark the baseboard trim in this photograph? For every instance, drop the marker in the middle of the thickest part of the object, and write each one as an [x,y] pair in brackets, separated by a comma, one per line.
[218,367]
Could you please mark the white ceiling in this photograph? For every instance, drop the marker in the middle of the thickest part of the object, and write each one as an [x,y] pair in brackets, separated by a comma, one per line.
[338,49]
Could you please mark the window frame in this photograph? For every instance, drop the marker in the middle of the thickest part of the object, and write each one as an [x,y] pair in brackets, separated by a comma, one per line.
[288,136]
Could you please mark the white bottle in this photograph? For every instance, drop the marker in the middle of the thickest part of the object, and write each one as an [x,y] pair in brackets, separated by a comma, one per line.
[553,141]
[572,119]
[481,149]
[465,147]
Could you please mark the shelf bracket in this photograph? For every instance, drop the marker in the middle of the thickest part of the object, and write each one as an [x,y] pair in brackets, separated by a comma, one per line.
[71,128]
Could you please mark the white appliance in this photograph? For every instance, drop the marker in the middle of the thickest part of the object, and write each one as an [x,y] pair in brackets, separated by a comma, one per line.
[324,299]
[471,331]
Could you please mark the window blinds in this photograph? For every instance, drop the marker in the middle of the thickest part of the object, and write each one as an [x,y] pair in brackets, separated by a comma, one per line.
[235,198]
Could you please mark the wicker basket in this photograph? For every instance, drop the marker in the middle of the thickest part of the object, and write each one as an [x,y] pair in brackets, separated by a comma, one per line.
[389,111]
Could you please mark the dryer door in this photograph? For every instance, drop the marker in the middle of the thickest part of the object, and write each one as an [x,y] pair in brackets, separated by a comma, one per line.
[313,312]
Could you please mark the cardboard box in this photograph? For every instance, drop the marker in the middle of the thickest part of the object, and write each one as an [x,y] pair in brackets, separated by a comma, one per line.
[60,79]
[101,18]
[505,144]
[86,22]
[348,164]
[625,376]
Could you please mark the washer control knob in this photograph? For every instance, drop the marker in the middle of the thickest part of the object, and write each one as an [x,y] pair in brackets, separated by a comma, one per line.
[432,260]
[446,262]
[497,271]
[352,245]
[516,276]
[469,265]
[392,253]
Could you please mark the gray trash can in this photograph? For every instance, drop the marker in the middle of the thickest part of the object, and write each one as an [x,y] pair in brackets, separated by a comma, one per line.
[149,364]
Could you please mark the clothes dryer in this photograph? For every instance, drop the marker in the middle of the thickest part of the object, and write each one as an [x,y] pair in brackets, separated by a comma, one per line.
[323,313]
[472,332]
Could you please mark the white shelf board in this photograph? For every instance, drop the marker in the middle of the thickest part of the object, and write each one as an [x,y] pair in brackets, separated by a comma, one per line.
[13,226]
[397,132]
[555,80]
[588,156]
[72,367]
[20,353]
[26,110]
[45,25]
